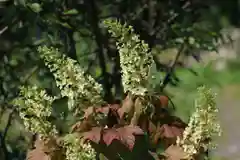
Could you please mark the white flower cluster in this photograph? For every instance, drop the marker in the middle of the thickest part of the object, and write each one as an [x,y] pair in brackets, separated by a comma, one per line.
[77,150]
[203,124]
[135,58]
[70,78]
[35,108]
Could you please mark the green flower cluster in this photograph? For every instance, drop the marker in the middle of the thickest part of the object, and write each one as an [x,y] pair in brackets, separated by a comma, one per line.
[81,89]
[35,109]
[135,58]
[76,149]
[203,124]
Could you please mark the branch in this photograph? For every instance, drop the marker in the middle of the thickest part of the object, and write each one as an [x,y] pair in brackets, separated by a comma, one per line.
[29,75]
[3,30]
[8,124]
[169,74]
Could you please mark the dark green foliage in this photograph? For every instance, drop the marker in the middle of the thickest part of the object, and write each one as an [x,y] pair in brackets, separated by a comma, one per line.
[75,28]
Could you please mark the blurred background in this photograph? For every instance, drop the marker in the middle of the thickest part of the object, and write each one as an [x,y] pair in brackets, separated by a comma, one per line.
[193,43]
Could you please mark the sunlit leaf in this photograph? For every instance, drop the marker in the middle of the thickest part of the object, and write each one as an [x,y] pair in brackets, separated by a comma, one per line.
[36,7]
[70,12]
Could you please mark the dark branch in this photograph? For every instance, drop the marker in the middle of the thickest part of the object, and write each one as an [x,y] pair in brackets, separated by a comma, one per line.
[169,74]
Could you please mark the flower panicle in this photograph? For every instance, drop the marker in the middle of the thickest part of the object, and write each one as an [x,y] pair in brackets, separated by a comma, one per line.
[135,57]
[76,149]
[203,124]
[34,109]
[70,78]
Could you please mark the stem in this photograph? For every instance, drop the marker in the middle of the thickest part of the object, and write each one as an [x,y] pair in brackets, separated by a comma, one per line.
[167,78]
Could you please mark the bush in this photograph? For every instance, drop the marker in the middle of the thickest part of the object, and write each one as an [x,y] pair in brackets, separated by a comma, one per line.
[131,129]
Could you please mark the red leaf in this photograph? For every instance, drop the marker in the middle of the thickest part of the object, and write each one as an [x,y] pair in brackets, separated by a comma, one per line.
[167,131]
[127,107]
[177,131]
[164,101]
[171,131]
[45,149]
[158,134]
[94,135]
[151,127]
[37,154]
[109,135]
[81,126]
[128,135]
[175,153]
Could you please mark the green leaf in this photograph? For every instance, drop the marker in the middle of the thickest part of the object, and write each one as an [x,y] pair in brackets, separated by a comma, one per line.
[35,7]
[70,12]
[21,2]
[60,107]
[64,24]
[191,40]
[38,42]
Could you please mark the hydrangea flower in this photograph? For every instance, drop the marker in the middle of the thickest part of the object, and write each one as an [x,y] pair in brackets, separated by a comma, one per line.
[81,89]
[135,58]
[203,124]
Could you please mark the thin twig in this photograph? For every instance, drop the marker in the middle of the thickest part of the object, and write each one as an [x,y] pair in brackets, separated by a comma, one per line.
[171,69]
[8,124]
[3,30]
[29,75]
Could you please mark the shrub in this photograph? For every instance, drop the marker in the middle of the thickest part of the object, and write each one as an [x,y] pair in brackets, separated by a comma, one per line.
[132,129]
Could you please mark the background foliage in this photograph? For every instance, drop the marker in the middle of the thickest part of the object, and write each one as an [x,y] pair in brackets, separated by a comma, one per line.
[75,28]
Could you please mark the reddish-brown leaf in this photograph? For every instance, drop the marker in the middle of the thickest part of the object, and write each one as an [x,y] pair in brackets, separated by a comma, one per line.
[138,109]
[109,135]
[158,134]
[164,101]
[127,107]
[94,135]
[37,154]
[143,122]
[167,131]
[128,133]
[177,131]
[174,152]
[81,126]
[151,127]
[46,149]
[170,131]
